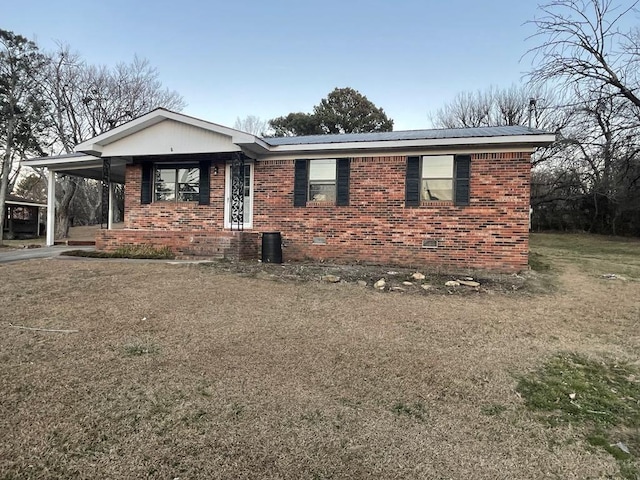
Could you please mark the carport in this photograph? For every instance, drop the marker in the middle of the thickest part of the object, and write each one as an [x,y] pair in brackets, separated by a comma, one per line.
[109,171]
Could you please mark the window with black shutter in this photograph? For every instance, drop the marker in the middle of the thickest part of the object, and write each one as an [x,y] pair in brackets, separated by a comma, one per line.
[462,179]
[300,184]
[177,182]
[205,169]
[145,187]
[342,181]
[438,178]
[412,182]
[322,180]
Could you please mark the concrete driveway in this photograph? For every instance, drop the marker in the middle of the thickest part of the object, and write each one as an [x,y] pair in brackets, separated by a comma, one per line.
[18,254]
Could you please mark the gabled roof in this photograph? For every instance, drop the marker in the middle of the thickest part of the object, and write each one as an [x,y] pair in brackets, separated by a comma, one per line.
[95,145]
[165,133]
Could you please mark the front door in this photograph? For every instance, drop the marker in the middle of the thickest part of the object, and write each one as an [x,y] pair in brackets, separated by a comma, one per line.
[238,205]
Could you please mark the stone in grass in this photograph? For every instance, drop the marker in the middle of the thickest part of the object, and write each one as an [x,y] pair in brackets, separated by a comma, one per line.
[468,283]
[362,283]
[418,276]
[613,276]
[380,284]
[408,284]
[426,286]
[331,278]
[452,283]
[398,289]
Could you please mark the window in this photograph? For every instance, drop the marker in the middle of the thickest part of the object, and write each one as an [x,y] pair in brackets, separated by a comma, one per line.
[322,180]
[177,184]
[325,180]
[437,178]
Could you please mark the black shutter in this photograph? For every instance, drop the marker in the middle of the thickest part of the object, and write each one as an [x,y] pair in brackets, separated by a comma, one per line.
[412,183]
[342,182]
[462,179]
[145,186]
[300,184]
[205,168]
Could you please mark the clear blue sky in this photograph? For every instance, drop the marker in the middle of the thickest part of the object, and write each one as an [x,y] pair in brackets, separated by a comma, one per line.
[268,58]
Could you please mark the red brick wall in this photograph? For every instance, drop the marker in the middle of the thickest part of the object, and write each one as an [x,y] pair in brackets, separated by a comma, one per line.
[491,233]
[173,216]
[189,229]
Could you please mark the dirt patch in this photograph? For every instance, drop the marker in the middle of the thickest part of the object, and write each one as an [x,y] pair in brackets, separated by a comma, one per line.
[396,280]
[192,371]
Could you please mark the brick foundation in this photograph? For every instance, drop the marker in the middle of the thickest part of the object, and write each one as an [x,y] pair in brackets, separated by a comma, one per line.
[185,244]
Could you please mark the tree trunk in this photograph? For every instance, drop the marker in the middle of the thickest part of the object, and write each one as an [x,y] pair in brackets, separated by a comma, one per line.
[63,219]
[4,175]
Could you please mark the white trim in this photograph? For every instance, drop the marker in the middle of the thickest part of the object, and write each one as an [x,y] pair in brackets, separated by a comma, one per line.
[25,204]
[51,207]
[530,141]
[64,161]
[227,197]
[398,153]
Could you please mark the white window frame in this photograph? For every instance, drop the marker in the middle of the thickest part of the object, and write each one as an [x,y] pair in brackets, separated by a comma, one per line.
[424,159]
[333,182]
[246,225]
[173,166]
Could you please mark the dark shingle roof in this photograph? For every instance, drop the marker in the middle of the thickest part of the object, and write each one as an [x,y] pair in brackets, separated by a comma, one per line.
[434,134]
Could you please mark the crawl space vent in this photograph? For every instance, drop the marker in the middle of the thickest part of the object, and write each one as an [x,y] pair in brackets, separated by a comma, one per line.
[429,243]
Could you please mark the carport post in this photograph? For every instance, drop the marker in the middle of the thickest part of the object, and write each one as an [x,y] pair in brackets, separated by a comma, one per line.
[51,207]
[112,197]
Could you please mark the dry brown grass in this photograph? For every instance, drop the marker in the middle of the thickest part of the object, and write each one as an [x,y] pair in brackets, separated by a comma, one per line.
[184,371]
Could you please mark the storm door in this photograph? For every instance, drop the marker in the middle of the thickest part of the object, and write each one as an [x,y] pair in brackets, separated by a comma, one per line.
[238,211]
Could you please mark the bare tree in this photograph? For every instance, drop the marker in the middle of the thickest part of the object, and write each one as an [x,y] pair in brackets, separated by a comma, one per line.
[501,106]
[89,100]
[252,124]
[582,41]
[592,180]
[466,110]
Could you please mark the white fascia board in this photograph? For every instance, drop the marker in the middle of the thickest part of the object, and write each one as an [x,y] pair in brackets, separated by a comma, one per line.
[465,149]
[25,204]
[522,141]
[62,162]
[256,146]
[94,145]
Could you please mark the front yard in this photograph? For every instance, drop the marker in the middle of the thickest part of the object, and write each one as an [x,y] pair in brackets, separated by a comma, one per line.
[189,371]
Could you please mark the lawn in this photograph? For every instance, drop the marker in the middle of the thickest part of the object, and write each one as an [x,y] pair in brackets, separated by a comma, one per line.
[191,371]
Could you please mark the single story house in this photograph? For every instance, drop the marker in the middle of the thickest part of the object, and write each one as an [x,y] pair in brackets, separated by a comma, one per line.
[448,197]
[22,217]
